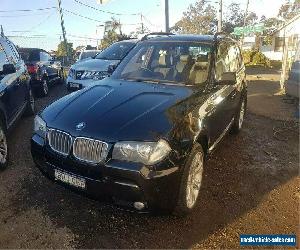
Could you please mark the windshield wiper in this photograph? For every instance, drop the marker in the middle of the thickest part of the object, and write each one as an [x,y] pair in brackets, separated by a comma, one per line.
[142,80]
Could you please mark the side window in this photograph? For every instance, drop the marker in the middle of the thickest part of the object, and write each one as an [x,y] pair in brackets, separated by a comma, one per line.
[43,57]
[3,59]
[11,56]
[221,60]
[233,60]
[14,51]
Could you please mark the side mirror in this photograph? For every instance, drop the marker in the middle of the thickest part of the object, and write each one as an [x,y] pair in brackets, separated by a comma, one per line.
[8,69]
[228,78]
[111,68]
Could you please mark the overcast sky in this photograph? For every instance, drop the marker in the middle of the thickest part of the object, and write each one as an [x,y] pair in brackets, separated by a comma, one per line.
[26,26]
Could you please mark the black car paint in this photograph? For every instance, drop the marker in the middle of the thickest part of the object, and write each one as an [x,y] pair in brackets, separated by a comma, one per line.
[14,89]
[116,110]
[46,69]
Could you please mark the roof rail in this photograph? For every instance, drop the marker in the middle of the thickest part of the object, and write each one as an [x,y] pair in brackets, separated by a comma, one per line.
[157,34]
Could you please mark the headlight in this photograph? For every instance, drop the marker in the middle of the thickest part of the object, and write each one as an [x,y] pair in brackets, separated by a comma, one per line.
[95,75]
[40,126]
[147,153]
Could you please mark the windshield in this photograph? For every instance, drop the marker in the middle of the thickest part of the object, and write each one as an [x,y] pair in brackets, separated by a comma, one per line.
[87,54]
[117,51]
[172,62]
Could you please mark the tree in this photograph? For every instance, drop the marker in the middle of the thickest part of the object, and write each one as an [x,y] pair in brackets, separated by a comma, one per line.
[112,37]
[289,9]
[234,17]
[61,51]
[271,24]
[139,31]
[199,18]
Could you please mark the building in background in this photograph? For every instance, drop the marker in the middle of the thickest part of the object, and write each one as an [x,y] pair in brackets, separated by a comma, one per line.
[287,36]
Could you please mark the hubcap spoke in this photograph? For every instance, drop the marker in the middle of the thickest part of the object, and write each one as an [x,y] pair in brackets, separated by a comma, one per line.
[194,180]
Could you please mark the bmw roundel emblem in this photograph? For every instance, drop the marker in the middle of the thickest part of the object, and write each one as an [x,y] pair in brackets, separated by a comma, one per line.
[80,126]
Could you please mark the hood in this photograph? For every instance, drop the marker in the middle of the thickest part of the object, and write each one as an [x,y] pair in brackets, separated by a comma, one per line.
[117,110]
[94,64]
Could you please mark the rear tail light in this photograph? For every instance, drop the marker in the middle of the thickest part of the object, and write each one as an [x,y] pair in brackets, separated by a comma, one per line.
[32,69]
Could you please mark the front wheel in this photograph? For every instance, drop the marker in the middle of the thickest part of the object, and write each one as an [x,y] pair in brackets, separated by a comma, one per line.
[239,117]
[191,182]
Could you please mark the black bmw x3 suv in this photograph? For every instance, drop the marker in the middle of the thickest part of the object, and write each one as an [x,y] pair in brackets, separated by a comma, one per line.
[16,97]
[141,135]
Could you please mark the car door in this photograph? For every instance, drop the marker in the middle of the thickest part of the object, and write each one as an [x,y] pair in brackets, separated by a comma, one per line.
[23,76]
[218,108]
[13,93]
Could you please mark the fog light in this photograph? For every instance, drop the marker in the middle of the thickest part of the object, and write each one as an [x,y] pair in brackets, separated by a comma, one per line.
[139,205]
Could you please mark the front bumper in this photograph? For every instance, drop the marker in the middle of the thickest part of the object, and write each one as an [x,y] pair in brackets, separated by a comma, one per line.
[124,182]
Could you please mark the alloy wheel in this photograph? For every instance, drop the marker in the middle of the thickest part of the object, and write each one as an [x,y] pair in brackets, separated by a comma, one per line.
[194,180]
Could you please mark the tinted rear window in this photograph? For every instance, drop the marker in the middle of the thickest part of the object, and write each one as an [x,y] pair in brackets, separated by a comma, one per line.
[29,56]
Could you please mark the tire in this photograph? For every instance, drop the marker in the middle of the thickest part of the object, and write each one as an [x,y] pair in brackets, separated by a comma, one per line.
[44,89]
[4,156]
[30,107]
[239,117]
[190,182]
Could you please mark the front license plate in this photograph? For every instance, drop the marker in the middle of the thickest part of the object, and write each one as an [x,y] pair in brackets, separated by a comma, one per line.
[69,179]
[74,85]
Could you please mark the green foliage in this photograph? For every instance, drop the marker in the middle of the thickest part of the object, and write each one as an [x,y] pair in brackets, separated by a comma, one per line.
[112,37]
[255,57]
[199,18]
[289,9]
[61,50]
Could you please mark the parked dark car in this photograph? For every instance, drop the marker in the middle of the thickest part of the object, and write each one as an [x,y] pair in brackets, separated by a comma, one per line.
[141,136]
[16,97]
[86,72]
[43,69]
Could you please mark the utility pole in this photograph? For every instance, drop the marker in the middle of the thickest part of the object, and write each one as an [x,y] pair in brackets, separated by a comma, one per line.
[167,15]
[220,15]
[63,29]
[245,20]
[142,24]
[2,32]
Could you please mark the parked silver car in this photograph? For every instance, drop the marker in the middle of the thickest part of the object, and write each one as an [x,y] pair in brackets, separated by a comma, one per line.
[86,72]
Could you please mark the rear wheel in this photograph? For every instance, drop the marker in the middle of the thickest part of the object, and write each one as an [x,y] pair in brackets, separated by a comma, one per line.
[191,182]
[3,148]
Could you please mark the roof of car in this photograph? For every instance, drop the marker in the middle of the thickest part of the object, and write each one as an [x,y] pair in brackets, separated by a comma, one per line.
[192,38]
[30,49]
[129,41]
[186,38]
